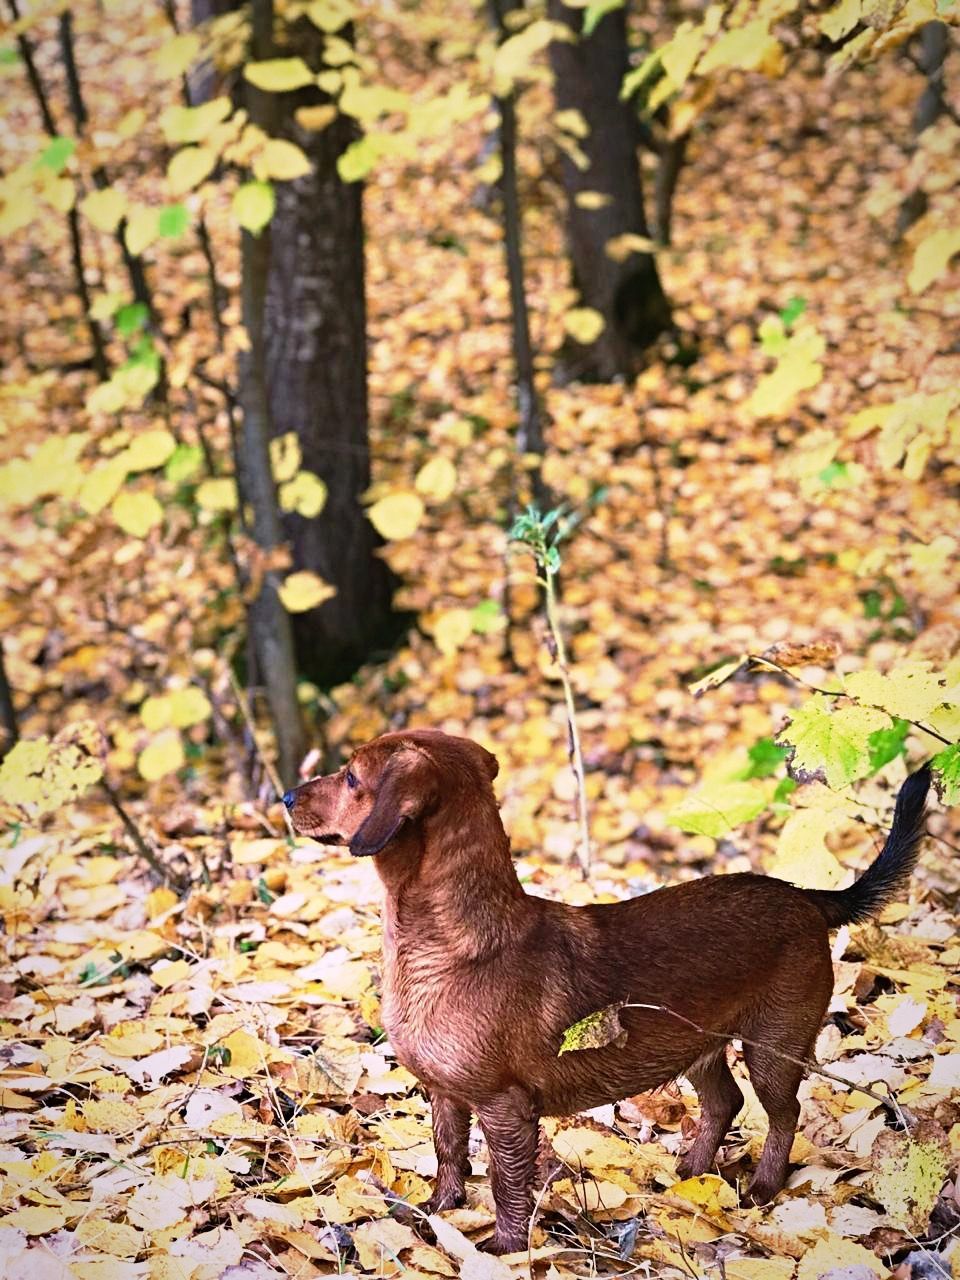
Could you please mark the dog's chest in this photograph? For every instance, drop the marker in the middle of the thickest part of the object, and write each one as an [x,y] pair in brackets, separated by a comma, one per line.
[432,1032]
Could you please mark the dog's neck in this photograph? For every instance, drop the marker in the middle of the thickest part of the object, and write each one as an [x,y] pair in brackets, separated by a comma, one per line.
[452,885]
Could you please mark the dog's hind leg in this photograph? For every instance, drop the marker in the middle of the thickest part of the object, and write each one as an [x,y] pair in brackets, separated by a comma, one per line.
[451,1135]
[720,1100]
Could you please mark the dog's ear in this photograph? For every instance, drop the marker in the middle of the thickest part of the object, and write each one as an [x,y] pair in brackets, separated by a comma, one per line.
[407,787]
[488,761]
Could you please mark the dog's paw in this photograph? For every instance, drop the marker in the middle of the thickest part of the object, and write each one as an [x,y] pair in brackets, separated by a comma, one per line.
[498,1244]
[441,1200]
[761,1192]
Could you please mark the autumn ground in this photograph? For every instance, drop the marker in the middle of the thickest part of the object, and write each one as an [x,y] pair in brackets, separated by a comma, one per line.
[195,1083]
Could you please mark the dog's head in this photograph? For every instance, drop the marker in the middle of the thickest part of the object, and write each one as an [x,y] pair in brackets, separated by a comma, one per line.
[394,781]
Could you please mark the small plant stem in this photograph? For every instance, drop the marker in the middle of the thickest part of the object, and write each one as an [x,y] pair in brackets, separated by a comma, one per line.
[573,743]
[244,705]
[149,857]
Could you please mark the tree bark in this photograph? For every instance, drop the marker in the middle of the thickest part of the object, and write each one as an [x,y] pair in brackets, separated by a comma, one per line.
[9,732]
[268,621]
[317,377]
[530,426]
[588,73]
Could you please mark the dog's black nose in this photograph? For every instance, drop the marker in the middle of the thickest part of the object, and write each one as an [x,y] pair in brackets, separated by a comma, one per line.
[290,799]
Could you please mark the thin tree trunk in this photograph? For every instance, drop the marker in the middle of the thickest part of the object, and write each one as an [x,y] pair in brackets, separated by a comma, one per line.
[316,363]
[9,733]
[530,427]
[136,270]
[99,357]
[626,292]
[268,621]
[932,103]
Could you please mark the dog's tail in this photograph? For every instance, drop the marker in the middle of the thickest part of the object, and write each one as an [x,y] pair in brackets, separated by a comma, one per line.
[890,872]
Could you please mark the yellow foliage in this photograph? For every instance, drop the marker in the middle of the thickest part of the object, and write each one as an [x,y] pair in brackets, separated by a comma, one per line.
[396,516]
[304,590]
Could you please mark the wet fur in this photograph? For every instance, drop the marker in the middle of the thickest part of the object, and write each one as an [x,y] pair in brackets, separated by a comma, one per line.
[482,979]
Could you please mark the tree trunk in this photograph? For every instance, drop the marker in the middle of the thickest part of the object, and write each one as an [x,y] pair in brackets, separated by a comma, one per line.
[8,715]
[628,294]
[317,378]
[268,621]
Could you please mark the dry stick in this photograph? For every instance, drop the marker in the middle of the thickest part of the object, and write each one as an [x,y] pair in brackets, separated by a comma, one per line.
[8,712]
[100,365]
[573,744]
[890,1103]
[133,832]
[270,771]
[838,693]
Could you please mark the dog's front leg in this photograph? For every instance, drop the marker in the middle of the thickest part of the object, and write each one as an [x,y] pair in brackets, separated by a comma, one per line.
[510,1124]
[451,1134]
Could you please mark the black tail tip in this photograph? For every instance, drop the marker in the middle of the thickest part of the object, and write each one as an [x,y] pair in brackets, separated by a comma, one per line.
[913,793]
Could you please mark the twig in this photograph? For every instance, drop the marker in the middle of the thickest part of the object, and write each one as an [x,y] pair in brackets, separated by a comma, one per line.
[133,832]
[268,767]
[890,1103]
[573,742]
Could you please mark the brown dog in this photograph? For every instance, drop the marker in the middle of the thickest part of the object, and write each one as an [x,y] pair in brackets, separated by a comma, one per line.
[481,980]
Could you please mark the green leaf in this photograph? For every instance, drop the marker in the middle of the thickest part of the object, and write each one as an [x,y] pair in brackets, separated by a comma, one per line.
[173,220]
[487,616]
[253,205]
[911,690]
[793,311]
[595,12]
[56,153]
[595,1031]
[717,807]
[766,757]
[131,318]
[832,744]
[886,744]
[946,774]
[184,463]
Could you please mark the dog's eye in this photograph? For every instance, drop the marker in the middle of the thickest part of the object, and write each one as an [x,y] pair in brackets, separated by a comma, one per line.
[351,779]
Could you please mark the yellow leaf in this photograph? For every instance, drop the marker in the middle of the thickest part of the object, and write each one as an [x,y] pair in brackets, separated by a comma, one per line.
[35,1220]
[105,208]
[802,857]
[840,20]
[188,168]
[253,205]
[175,57]
[37,774]
[451,629]
[162,756]
[797,370]
[584,324]
[193,124]
[115,1238]
[932,256]
[137,513]
[132,122]
[279,75]
[189,706]
[592,199]
[148,450]
[834,1253]
[168,972]
[316,118]
[747,48]
[708,1192]
[911,690]
[935,557]
[304,590]
[218,495]
[305,493]
[157,712]
[514,58]
[282,160]
[100,486]
[285,456]
[397,515]
[679,56]
[619,248]
[110,1115]
[330,15]
[60,193]
[436,479]
[141,229]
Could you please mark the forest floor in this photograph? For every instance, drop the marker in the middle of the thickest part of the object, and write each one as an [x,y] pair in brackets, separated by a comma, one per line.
[195,1083]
